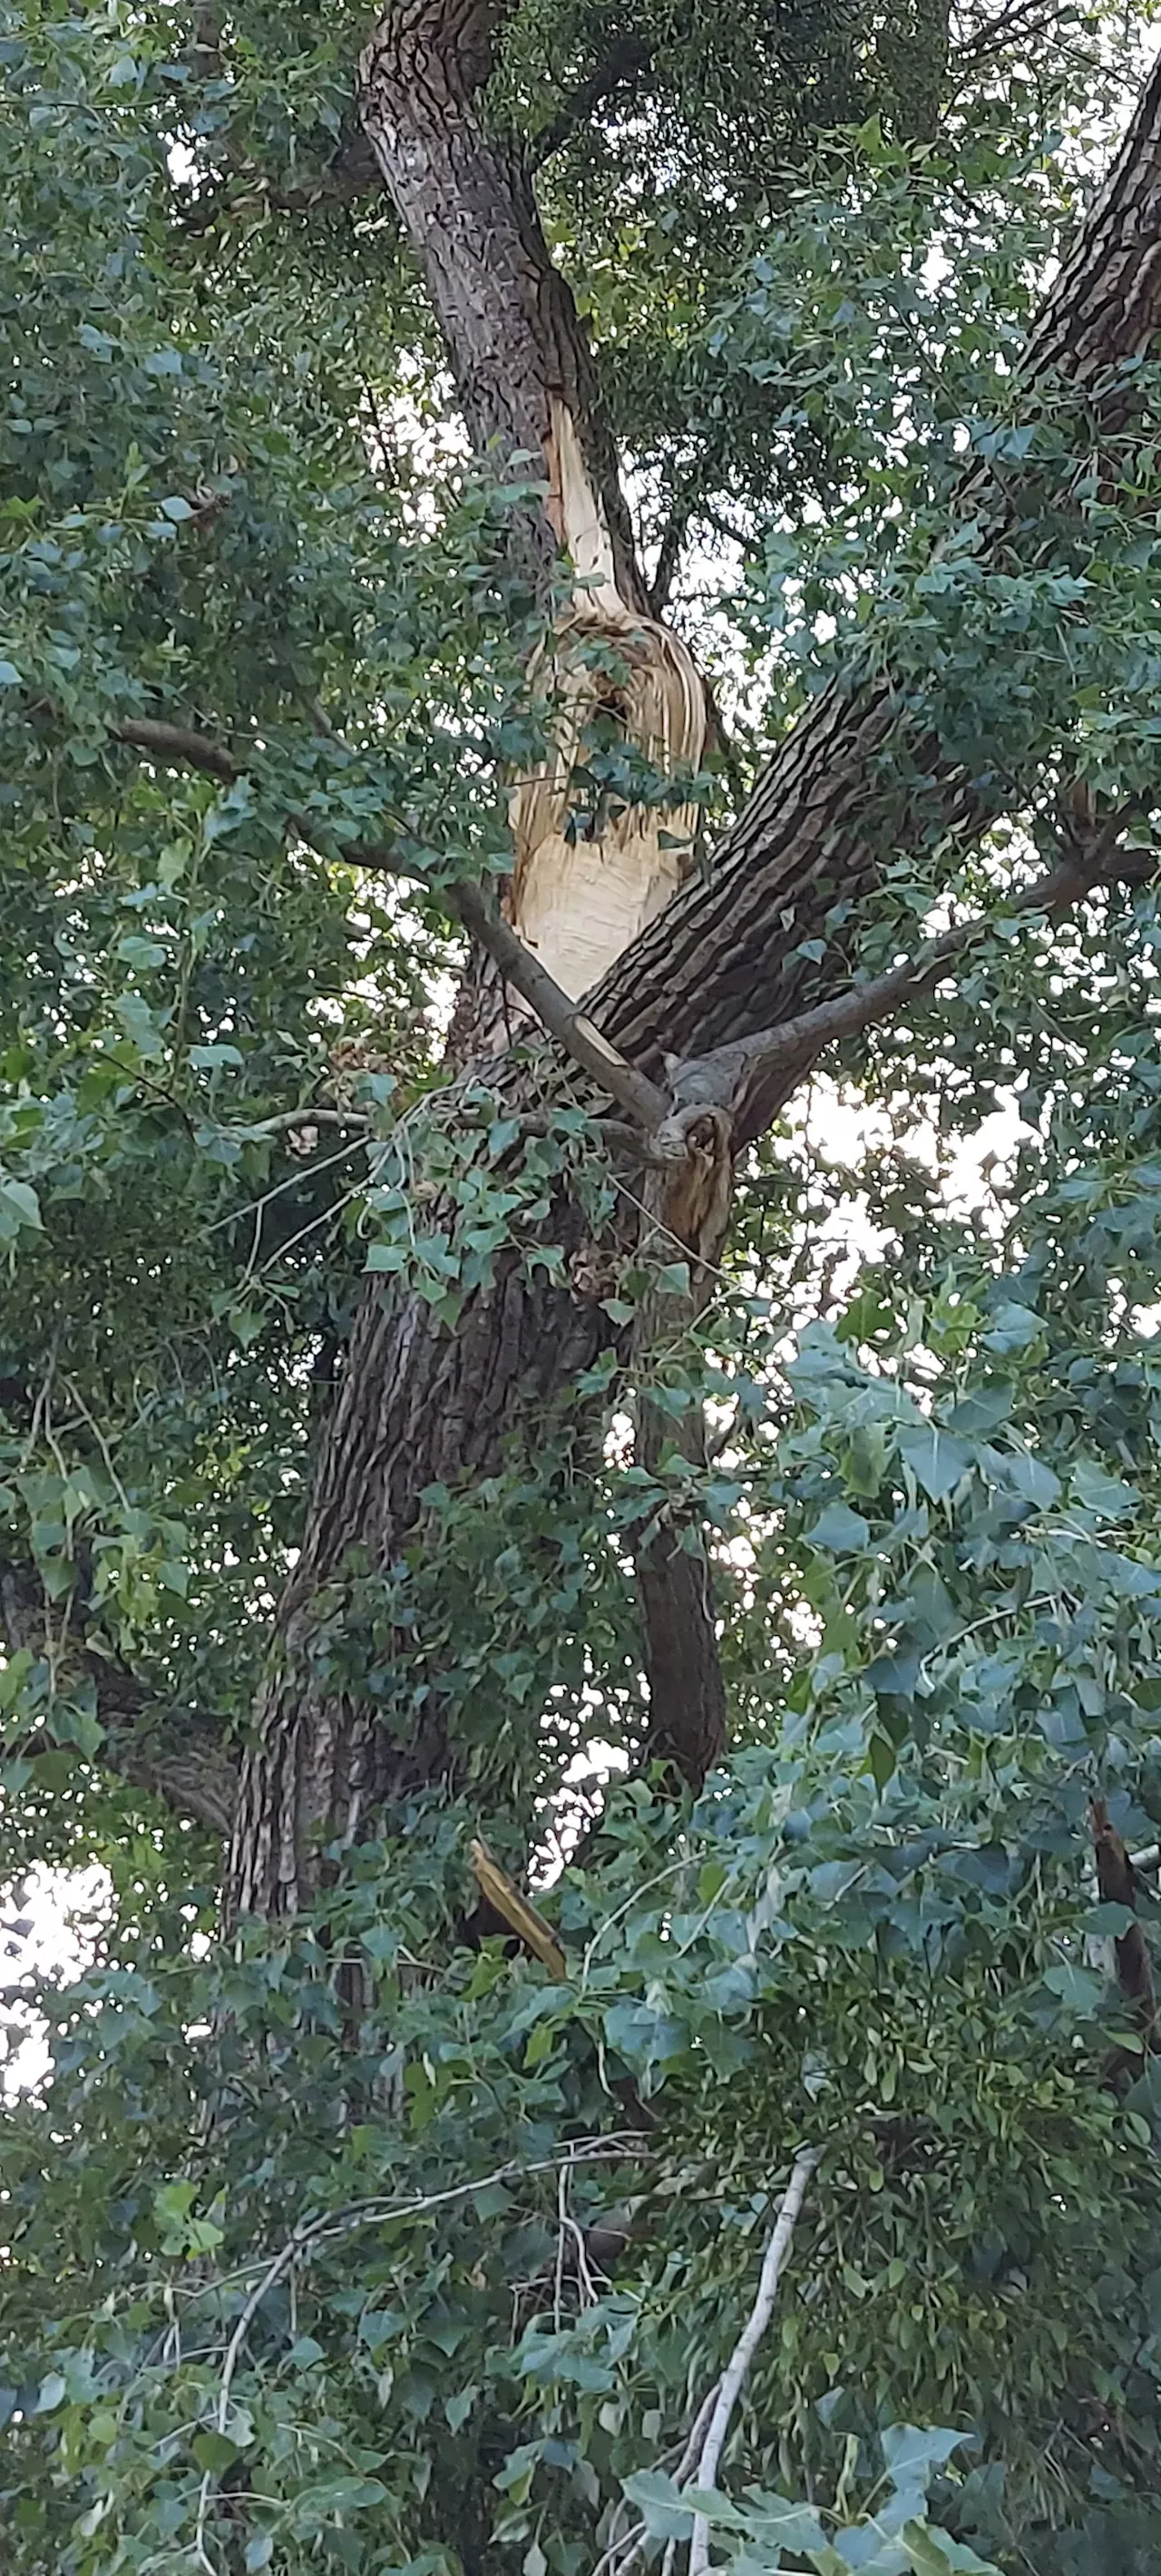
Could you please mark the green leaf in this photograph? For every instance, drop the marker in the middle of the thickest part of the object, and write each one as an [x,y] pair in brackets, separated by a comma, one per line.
[935,2553]
[659,2503]
[214,2451]
[20,1199]
[840,1530]
[912,2452]
[1078,1989]
[1107,1497]
[937,1459]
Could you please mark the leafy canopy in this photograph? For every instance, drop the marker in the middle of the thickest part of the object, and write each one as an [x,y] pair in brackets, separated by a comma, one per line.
[229,494]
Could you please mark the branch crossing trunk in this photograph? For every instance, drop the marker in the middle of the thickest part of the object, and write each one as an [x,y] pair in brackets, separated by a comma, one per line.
[731,956]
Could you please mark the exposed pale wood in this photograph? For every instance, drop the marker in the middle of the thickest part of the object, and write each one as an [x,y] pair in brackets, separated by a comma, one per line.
[506,1900]
[529,391]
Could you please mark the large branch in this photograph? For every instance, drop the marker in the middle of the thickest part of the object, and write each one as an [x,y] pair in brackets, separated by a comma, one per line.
[719,964]
[530,395]
[463,193]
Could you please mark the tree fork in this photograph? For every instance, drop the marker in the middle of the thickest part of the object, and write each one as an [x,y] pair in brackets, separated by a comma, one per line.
[416,1404]
[530,397]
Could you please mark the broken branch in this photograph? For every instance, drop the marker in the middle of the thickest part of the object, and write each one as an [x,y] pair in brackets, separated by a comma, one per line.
[556,1010]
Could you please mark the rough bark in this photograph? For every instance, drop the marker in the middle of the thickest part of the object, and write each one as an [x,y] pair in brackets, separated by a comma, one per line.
[416,1406]
[724,961]
[582,889]
[509,320]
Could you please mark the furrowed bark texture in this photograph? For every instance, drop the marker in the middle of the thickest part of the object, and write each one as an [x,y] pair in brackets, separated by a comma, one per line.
[582,888]
[508,317]
[416,1406]
[723,961]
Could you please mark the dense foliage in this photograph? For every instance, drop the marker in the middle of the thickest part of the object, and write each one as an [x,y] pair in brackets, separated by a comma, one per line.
[428,2268]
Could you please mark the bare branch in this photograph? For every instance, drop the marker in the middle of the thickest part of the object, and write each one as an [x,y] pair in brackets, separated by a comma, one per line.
[558,1013]
[734,2376]
[179,744]
[754,1076]
[626,58]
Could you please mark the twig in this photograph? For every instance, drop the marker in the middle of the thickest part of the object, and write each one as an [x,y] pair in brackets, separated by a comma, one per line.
[632,2542]
[556,1010]
[345,2222]
[71,1388]
[733,2377]
[753,1076]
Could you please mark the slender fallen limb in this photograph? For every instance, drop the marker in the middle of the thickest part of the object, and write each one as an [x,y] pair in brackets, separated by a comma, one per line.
[733,2377]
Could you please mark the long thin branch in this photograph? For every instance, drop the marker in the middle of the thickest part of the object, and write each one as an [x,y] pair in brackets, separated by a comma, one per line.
[734,2376]
[755,1075]
[556,1010]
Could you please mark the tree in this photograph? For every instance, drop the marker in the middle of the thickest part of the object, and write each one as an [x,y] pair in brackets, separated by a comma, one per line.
[441,1439]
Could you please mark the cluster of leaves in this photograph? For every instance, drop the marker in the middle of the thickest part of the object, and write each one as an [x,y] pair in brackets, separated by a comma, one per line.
[877,1931]
[361,2318]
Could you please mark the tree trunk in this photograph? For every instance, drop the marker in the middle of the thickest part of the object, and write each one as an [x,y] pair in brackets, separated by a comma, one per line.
[417,1402]
[582,887]
[416,1406]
